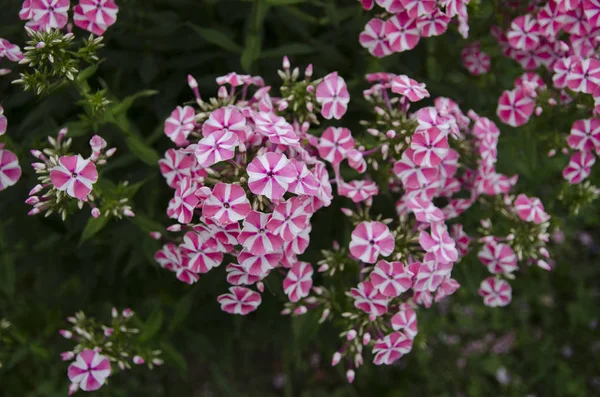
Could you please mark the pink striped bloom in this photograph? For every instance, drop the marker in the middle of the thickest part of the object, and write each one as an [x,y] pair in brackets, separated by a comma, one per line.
[171,258]
[374,39]
[259,264]
[475,61]
[446,288]
[439,243]
[591,9]
[298,282]
[275,128]
[410,88]
[300,243]
[391,348]
[10,171]
[270,175]
[499,258]
[461,238]
[226,204]
[218,146]
[402,32]
[225,236]
[430,273]
[225,119]
[11,51]
[391,278]
[238,275]
[305,182]
[49,13]
[368,299]
[358,191]
[434,24]
[550,20]
[175,166]
[575,22]
[101,12]
[579,167]
[89,371]
[179,125]
[182,205]
[255,236]
[335,143]
[425,210]
[515,108]
[417,8]
[562,70]
[202,253]
[430,147]
[83,22]
[333,96]
[585,135]
[371,239]
[412,175]
[26,12]
[495,292]
[392,6]
[323,196]
[406,321]
[524,33]
[484,127]
[290,218]
[74,175]
[584,76]
[3,121]
[239,300]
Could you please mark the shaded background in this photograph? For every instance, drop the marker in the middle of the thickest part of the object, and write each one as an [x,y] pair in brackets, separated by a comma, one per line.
[546,343]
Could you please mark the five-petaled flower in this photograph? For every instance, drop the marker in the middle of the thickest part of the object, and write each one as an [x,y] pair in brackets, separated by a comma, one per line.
[74,175]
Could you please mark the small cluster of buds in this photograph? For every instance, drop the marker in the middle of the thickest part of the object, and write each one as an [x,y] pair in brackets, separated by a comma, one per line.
[100,345]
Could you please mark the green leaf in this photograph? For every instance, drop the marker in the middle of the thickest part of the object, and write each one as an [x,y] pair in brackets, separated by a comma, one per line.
[93,227]
[145,223]
[124,105]
[152,325]
[217,37]
[171,354]
[182,311]
[288,49]
[251,52]
[86,73]
[8,275]
[142,150]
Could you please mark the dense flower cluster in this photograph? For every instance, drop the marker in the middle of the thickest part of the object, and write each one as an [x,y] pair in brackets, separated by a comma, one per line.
[100,345]
[257,161]
[562,38]
[405,22]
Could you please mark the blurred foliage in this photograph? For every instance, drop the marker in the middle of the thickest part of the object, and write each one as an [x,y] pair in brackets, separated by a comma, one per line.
[48,271]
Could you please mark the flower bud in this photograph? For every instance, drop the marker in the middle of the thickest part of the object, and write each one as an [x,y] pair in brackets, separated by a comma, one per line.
[350,374]
[174,228]
[32,200]
[192,82]
[351,335]
[538,111]
[155,235]
[286,63]
[37,154]
[337,357]
[65,333]
[110,152]
[73,387]
[323,268]
[114,312]
[138,360]
[157,361]
[366,338]
[95,212]
[97,143]
[108,332]
[222,93]
[260,286]
[128,313]
[38,166]
[34,211]
[128,212]
[309,71]
[300,310]
[347,211]
[324,315]
[67,356]
[551,152]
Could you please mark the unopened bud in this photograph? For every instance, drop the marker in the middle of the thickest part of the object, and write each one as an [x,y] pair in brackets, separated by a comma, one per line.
[110,152]
[551,152]
[138,360]
[65,333]
[323,268]
[174,228]
[337,357]
[309,71]
[351,335]
[67,356]
[366,338]
[155,235]
[32,200]
[108,332]
[350,374]
[260,286]
[300,310]
[286,63]
[127,313]
[347,211]
[391,134]
[95,213]
[538,111]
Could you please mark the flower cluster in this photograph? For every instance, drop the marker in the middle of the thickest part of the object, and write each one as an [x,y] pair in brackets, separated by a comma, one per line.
[100,346]
[10,171]
[562,37]
[67,180]
[404,22]
[247,180]
[95,16]
[476,61]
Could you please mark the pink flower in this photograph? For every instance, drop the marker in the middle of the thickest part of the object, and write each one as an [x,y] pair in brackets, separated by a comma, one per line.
[333,96]
[180,124]
[391,279]
[402,32]
[170,257]
[227,204]
[300,243]
[255,236]
[562,70]
[201,252]
[270,175]
[234,79]
[225,119]
[579,167]
[298,281]
[3,121]
[476,61]
[218,146]
[495,292]
[425,210]
[434,24]
[240,300]
[90,370]
[290,217]
[430,147]
[406,321]
[446,288]
[83,22]
[429,274]
[305,182]
[439,243]
[417,8]
[515,108]
[275,128]
[324,190]
[498,258]
[584,76]
[524,33]
[371,239]
[591,8]
[75,175]
[10,171]
[259,264]
[410,88]
[585,135]
[368,299]
[412,175]
[358,191]
[101,12]
[238,275]
[461,239]
[10,51]
[182,205]
[175,166]
[374,39]
[50,13]
[392,6]
[391,348]
[575,22]
[550,20]
[335,144]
